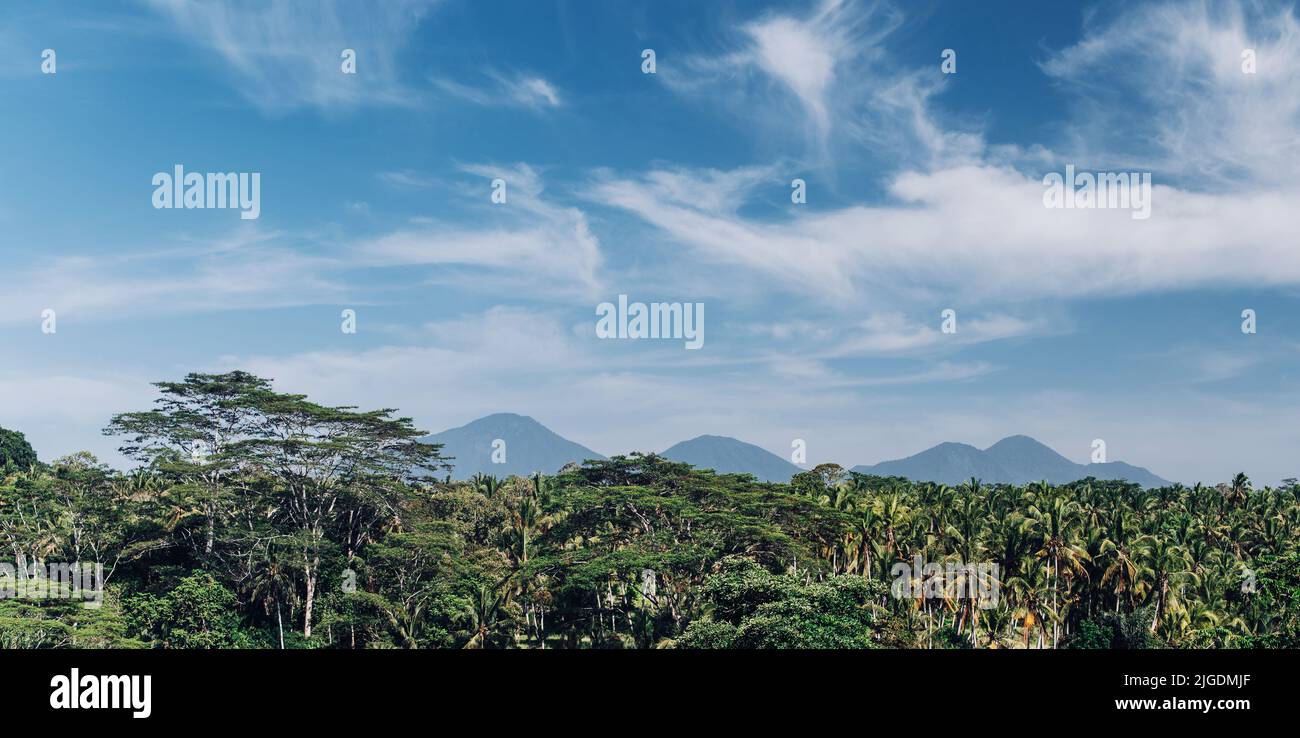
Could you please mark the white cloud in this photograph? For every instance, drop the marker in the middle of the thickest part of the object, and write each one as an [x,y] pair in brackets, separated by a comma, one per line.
[983,233]
[1195,364]
[534,92]
[515,360]
[708,190]
[848,92]
[61,413]
[959,228]
[408,180]
[506,90]
[803,54]
[287,54]
[529,245]
[246,268]
[519,360]
[1214,366]
[891,335]
[530,237]
[894,334]
[1162,84]
[965,221]
[607,397]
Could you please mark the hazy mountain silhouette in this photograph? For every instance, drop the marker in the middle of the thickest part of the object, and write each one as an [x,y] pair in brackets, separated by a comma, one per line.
[1027,460]
[730,456]
[1013,460]
[530,447]
[947,461]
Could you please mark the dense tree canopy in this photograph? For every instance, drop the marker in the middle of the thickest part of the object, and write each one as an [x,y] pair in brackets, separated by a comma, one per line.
[261,519]
[15,451]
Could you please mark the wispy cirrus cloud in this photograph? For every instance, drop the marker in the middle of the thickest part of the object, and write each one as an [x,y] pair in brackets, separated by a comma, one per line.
[982,232]
[964,219]
[514,243]
[823,320]
[531,244]
[1163,85]
[831,66]
[286,54]
[894,334]
[242,269]
[506,90]
[408,180]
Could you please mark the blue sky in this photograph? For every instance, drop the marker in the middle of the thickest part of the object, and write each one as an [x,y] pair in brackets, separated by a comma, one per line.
[822,319]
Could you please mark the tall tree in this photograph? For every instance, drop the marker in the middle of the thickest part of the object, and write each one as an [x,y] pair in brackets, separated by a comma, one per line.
[224,431]
[15,450]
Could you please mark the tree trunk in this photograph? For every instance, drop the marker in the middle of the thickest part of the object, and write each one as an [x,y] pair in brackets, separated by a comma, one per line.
[311,601]
[210,543]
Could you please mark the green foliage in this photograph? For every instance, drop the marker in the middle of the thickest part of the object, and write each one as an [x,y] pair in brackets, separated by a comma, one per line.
[753,608]
[15,451]
[709,634]
[1276,603]
[260,519]
[65,623]
[1114,631]
[198,613]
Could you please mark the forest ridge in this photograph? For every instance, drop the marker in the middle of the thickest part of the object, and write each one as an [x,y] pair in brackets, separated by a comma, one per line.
[260,519]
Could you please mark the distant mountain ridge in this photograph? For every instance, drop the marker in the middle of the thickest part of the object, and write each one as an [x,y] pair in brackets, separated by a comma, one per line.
[727,455]
[529,447]
[1013,460]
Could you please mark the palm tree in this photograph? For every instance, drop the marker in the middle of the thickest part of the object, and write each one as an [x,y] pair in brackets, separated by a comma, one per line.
[486,484]
[967,538]
[1238,490]
[1123,570]
[894,514]
[522,527]
[1167,563]
[1031,603]
[485,609]
[273,583]
[1054,522]
[866,529]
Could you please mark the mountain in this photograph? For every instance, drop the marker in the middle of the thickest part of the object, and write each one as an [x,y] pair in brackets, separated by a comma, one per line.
[1013,460]
[529,447]
[728,456]
[1027,460]
[532,447]
[947,461]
